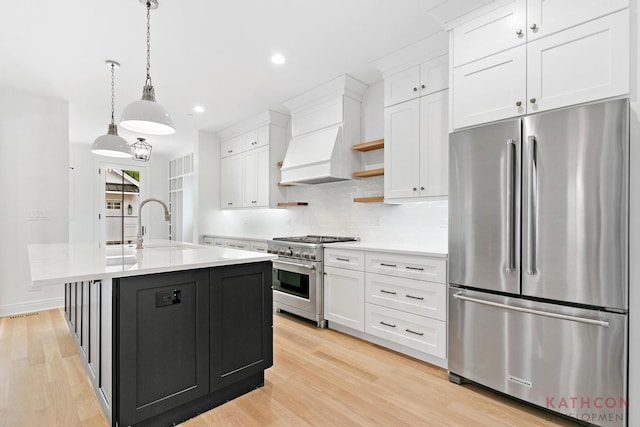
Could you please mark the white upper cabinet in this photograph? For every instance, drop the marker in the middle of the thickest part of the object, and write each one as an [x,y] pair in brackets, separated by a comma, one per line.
[583,63]
[250,152]
[534,55]
[490,89]
[545,17]
[416,148]
[419,80]
[497,30]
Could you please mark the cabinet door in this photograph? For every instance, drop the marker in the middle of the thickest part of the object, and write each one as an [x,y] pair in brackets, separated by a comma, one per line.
[490,89]
[584,63]
[546,17]
[250,172]
[495,31]
[231,182]
[401,160]
[231,147]
[163,342]
[241,322]
[402,86]
[344,297]
[249,140]
[262,136]
[434,75]
[262,177]
[434,144]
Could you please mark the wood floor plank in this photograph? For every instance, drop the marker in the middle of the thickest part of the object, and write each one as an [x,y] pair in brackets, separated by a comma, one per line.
[320,378]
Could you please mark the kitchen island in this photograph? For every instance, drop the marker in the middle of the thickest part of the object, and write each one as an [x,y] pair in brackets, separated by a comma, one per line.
[165,332]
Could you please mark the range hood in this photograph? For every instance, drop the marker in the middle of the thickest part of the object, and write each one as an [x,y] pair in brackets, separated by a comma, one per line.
[325,124]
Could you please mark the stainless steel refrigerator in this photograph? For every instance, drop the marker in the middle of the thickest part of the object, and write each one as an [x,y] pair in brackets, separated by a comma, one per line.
[538,259]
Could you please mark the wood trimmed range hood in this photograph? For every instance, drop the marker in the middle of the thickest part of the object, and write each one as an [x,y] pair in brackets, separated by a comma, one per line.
[325,123]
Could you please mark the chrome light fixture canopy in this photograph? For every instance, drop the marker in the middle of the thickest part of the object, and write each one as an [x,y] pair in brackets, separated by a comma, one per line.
[111,144]
[146,115]
[141,150]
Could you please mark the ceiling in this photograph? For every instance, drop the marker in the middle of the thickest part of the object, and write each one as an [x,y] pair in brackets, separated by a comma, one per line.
[210,53]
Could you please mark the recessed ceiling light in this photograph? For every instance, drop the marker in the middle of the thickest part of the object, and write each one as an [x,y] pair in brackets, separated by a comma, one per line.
[278,59]
[198,109]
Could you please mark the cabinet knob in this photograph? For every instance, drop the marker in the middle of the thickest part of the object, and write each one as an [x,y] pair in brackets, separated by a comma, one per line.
[424,86]
[421,188]
[519,33]
[518,103]
[532,100]
[229,151]
[533,27]
[415,189]
[415,89]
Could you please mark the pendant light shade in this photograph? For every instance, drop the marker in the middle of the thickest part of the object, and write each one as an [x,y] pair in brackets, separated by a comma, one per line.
[146,115]
[111,144]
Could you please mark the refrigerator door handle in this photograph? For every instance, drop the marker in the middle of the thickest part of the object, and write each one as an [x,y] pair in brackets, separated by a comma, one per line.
[532,189]
[603,323]
[510,205]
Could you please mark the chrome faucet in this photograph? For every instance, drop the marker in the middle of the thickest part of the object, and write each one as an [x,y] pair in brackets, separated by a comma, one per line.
[167,217]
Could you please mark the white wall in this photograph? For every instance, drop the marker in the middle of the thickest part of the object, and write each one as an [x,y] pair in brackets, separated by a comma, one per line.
[331,208]
[34,160]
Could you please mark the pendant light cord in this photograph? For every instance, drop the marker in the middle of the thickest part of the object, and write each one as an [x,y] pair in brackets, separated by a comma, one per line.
[148,81]
[113,92]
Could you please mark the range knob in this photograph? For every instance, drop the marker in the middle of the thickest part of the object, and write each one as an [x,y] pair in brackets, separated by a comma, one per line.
[312,256]
[280,251]
[296,254]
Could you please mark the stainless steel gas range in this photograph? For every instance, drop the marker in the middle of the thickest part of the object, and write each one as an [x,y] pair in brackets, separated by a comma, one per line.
[298,274]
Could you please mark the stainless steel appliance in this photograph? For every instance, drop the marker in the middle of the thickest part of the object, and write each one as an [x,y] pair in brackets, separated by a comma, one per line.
[298,273]
[538,259]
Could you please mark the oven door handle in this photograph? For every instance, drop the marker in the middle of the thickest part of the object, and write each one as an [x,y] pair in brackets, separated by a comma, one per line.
[294,264]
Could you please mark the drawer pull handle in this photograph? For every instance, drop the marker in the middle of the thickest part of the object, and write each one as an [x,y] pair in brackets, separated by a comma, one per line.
[415,268]
[414,332]
[387,324]
[411,296]
[387,292]
[388,265]
[343,259]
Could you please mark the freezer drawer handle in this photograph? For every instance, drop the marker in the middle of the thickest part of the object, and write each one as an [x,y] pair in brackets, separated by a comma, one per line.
[603,323]
[387,324]
[414,332]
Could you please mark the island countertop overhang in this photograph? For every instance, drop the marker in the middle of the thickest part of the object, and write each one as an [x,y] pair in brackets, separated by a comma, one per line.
[58,263]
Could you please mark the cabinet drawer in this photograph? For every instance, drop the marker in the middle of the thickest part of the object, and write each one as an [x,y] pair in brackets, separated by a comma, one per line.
[208,241]
[344,258]
[259,247]
[231,147]
[417,332]
[237,244]
[493,32]
[413,296]
[409,266]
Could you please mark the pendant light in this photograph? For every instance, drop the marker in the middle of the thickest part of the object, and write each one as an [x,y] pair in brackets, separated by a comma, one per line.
[111,144]
[141,150]
[146,115]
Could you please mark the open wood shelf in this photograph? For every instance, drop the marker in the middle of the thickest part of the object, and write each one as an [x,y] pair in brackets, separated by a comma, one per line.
[372,199]
[284,185]
[368,173]
[371,145]
[288,204]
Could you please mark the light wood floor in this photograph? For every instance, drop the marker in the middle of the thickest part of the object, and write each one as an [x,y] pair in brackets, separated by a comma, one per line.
[319,378]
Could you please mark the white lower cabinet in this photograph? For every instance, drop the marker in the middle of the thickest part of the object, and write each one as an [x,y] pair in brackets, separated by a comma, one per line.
[413,331]
[394,299]
[344,288]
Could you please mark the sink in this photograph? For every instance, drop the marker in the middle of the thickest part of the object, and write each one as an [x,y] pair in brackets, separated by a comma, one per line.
[121,260]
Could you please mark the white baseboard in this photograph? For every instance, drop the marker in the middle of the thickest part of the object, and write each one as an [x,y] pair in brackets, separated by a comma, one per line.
[31,306]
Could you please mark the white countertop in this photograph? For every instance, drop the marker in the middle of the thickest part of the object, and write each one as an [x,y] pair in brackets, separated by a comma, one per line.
[58,263]
[432,249]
